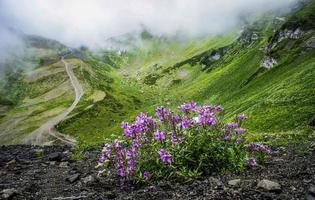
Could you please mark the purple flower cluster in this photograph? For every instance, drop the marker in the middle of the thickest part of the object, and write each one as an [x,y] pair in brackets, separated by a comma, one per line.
[165,156]
[251,162]
[260,147]
[162,113]
[146,175]
[159,135]
[106,153]
[188,107]
[166,135]
[241,117]
[143,123]
[240,130]
[233,130]
[185,123]
[206,117]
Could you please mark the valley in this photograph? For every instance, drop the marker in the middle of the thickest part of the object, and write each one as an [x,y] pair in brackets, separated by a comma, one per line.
[228,69]
[157,99]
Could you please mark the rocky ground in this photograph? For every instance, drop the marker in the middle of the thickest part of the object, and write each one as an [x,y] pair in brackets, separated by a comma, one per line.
[32,172]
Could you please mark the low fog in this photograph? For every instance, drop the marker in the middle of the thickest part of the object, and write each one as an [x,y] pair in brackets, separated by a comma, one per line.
[83,22]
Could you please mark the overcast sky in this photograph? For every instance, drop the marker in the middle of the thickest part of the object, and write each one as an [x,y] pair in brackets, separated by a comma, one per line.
[89,22]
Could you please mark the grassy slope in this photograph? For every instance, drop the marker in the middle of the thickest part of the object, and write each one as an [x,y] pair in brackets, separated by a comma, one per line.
[279,102]
[46,95]
[120,77]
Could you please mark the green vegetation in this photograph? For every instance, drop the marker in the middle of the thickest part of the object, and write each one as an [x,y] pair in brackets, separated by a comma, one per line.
[13,89]
[225,69]
[279,102]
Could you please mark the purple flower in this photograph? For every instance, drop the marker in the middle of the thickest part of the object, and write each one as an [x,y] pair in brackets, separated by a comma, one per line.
[187,107]
[238,140]
[240,130]
[144,123]
[175,119]
[218,108]
[260,147]
[124,125]
[159,135]
[106,153]
[176,140]
[129,131]
[252,162]
[117,144]
[186,123]
[241,117]
[231,125]
[146,175]
[122,172]
[205,117]
[162,113]
[165,156]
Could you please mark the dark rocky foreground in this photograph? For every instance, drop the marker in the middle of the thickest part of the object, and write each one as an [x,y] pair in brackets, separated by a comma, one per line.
[28,172]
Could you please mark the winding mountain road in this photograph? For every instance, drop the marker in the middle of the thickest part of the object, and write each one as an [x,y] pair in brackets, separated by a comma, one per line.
[41,135]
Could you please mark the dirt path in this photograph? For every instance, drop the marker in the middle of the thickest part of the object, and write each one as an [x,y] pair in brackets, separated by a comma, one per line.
[41,135]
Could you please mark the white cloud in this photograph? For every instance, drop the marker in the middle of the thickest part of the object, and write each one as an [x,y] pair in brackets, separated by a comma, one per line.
[76,22]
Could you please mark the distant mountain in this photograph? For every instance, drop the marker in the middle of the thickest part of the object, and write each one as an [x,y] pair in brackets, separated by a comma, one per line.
[265,69]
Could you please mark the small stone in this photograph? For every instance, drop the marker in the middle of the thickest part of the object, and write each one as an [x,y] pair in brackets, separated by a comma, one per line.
[11,162]
[292,188]
[110,195]
[88,179]
[216,181]
[310,197]
[8,193]
[312,190]
[63,164]
[52,163]
[43,165]
[269,185]
[234,182]
[55,156]
[73,178]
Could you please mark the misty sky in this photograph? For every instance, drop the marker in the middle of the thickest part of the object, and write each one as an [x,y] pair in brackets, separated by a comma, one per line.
[89,22]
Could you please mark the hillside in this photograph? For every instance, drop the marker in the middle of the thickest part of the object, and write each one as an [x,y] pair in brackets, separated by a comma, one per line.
[266,70]
[157,99]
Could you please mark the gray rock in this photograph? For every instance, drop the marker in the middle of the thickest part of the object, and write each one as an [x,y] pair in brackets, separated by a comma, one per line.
[8,193]
[64,164]
[268,62]
[310,43]
[55,156]
[11,162]
[312,190]
[73,178]
[269,185]
[88,179]
[215,181]
[234,182]
[310,197]
[52,163]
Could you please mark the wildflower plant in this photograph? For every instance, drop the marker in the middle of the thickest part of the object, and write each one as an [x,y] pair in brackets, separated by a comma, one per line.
[185,144]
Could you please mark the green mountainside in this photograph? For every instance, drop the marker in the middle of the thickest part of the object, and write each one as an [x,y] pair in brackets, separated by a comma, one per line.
[266,71]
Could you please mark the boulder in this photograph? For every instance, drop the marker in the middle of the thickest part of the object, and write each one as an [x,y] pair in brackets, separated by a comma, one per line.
[234,182]
[269,185]
[55,156]
[88,179]
[8,193]
[73,178]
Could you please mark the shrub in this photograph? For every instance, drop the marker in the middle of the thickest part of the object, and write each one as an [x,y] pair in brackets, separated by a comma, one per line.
[187,144]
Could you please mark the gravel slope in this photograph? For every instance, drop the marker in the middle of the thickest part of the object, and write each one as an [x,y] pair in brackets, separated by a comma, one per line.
[33,172]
